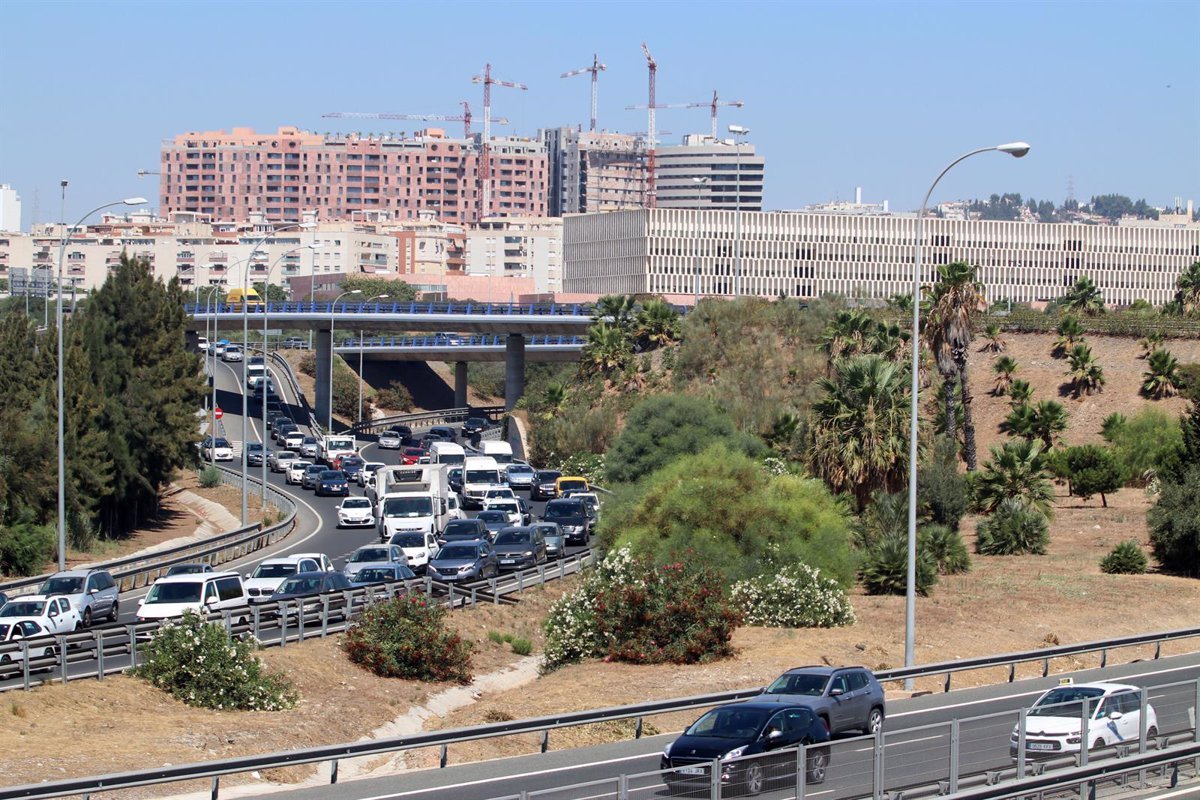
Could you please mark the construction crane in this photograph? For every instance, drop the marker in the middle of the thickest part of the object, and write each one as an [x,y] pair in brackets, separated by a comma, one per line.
[712,104]
[486,172]
[464,118]
[651,190]
[596,68]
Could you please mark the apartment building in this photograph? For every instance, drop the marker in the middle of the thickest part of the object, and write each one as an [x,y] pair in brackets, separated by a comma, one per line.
[684,253]
[592,171]
[517,247]
[10,209]
[709,173]
[289,173]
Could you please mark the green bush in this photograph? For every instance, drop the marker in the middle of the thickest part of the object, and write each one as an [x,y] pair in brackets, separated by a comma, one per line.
[407,637]
[795,596]
[486,378]
[884,568]
[630,609]
[497,637]
[308,364]
[345,392]
[522,646]
[1090,470]
[210,477]
[394,396]
[196,662]
[1175,524]
[943,493]
[945,547]
[1126,558]
[1013,528]
[1143,441]
[25,547]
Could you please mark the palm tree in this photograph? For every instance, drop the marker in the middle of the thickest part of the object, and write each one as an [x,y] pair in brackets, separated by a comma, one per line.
[890,341]
[1087,376]
[1150,342]
[782,436]
[1018,470]
[995,339]
[1161,378]
[1021,421]
[900,302]
[1083,298]
[616,310]
[607,349]
[1050,421]
[1019,393]
[859,428]
[1070,332]
[1004,368]
[847,335]
[554,398]
[1112,425]
[657,324]
[954,303]
[1188,286]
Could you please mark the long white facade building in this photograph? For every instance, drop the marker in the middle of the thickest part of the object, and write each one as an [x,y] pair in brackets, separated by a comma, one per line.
[685,252]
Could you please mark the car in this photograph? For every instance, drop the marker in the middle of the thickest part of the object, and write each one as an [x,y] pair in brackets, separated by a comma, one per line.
[510,506]
[552,534]
[351,466]
[294,439]
[412,455]
[374,555]
[283,429]
[294,343]
[451,339]
[568,483]
[309,447]
[277,420]
[390,439]
[268,575]
[332,482]
[495,520]
[188,569]
[279,460]
[232,352]
[741,738]
[3,599]
[499,493]
[202,344]
[1053,722]
[254,454]
[304,585]
[53,614]
[311,475]
[418,547]
[572,516]
[463,530]
[274,408]
[383,573]
[92,592]
[543,485]
[368,471]
[17,629]
[203,592]
[294,474]
[473,427]
[520,476]
[520,548]
[217,449]
[219,349]
[454,477]
[356,512]
[844,698]
[591,501]
[463,561]
[443,432]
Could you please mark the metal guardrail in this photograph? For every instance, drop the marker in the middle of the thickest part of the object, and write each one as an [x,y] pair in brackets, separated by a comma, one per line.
[283,364]
[477,340]
[413,307]
[443,417]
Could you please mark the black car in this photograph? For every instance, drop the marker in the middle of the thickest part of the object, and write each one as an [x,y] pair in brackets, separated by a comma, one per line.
[543,486]
[332,482]
[494,520]
[283,429]
[460,530]
[310,584]
[754,741]
[255,453]
[473,426]
[454,478]
[443,432]
[571,515]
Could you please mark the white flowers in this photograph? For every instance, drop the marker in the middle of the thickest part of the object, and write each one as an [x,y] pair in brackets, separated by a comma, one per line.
[794,597]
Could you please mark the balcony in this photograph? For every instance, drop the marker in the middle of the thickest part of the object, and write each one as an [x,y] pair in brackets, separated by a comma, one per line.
[218,258]
[113,257]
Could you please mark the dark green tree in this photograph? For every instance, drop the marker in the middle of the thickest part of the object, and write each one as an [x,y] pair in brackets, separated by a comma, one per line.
[397,291]
[1092,470]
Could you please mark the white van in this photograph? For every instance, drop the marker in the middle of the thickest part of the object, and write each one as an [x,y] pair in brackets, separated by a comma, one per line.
[501,451]
[254,375]
[202,592]
[480,473]
[447,453]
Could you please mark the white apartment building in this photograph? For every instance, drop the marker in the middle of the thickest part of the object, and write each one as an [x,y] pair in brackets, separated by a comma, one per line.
[517,247]
[10,209]
[686,252]
[709,173]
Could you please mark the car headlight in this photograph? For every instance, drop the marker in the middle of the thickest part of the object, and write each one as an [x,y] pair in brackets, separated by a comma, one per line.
[1073,739]
[466,568]
[667,751]
[734,753]
[528,554]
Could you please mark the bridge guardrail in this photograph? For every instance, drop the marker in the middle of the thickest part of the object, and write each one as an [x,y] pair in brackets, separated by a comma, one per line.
[476,340]
[443,417]
[413,307]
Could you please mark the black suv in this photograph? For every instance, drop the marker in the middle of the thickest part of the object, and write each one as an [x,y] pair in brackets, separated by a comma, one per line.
[571,515]
[845,698]
[458,530]
[473,425]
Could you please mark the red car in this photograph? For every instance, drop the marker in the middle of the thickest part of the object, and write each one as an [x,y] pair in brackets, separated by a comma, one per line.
[411,455]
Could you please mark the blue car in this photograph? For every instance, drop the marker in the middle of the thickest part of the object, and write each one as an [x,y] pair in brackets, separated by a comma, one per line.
[463,561]
[332,483]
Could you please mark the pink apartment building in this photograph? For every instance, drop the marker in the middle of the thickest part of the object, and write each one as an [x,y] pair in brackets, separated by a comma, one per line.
[284,174]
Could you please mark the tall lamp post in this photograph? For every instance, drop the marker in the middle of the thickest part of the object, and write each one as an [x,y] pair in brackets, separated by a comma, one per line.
[58,321]
[332,345]
[360,358]
[212,348]
[696,243]
[1017,150]
[739,134]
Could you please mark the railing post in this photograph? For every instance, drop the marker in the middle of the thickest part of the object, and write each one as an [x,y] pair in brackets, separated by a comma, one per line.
[954,755]
[216,788]
[1085,735]
[442,760]
[1022,723]
[545,739]
[333,770]
[98,636]
[282,624]
[62,648]
[1196,713]
[801,771]
[877,767]
[25,663]
[257,613]
[637,730]
[714,780]
[325,615]
[132,645]
[622,787]
[299,620]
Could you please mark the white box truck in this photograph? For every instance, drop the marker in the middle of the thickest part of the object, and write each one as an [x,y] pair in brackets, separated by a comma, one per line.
[501,451]
[480,473]
[334,446]
[414,499]
[447,453]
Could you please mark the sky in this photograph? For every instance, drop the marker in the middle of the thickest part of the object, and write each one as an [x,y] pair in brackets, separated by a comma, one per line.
[838,95]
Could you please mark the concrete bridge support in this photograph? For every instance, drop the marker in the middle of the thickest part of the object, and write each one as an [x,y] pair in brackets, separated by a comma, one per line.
[514,369]
[460,384]
[323,342]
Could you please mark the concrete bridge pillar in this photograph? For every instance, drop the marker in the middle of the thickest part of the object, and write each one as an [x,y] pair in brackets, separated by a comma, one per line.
[323,341]
[514,369]
[460,384]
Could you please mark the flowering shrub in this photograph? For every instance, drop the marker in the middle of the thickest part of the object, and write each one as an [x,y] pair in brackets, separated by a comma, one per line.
[197,662]
[795,596]
[407,638]
[629,609]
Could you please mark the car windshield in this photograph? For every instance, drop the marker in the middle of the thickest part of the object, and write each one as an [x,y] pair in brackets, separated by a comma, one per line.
[729,723]
[253,447]
[306,585]
[413,452]
[390,435]
[460,526]
[481,476]
[491,515]
[274,570]
[557,510]
[1058,702]
[376,575]
[476,422]
[62,585]
[186,569]
[332,475]
[407,507]
[803,683]
[503,504]
[175,593]
[547,530]
[300,465]
[567,486]
[371,554]
[519,469]
[408,540]
[514,537]
[548,477]
[356,502]
[457,551]
[222,442]
[286,455]
[310,440]
[314,469]
[23,608]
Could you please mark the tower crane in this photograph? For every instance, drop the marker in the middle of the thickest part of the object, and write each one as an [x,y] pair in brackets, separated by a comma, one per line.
[464,118]
[486,172]
[711,104]
[651,190]
[596,68]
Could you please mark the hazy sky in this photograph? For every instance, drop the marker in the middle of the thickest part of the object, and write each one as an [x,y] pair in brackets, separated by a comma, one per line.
[838,94]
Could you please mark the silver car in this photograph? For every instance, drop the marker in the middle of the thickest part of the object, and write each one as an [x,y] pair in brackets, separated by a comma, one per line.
[93,593]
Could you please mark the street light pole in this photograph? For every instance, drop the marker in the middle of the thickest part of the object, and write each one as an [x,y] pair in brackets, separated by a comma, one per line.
[1017,150]
[739,133]
[332,347]
[360,359]
[696,244]
[58,322]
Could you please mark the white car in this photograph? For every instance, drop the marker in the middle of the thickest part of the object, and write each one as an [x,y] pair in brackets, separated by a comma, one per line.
[509,506]
[13,630]
[356,512]
[368,471]
[203,344]
[1052,724]
[418,547]
[499,493]
[294,440]
[218,450]
[265,579]
[233,352]
[390,440]
[295,471]
[54,614]
[220,346]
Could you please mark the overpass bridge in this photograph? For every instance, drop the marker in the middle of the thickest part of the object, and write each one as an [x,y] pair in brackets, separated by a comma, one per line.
[510,322]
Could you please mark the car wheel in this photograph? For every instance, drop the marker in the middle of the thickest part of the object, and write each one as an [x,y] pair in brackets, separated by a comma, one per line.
[114,613]
[5,659]
[1096,745]
[87,618]
[818,763]
[755,779]
[1151,735]
[874,721]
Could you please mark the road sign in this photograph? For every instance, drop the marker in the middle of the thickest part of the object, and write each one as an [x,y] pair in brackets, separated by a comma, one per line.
[218,413]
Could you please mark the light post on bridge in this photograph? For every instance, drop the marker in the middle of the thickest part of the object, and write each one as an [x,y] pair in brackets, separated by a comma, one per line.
[360,359]
[332,353]
[740,133]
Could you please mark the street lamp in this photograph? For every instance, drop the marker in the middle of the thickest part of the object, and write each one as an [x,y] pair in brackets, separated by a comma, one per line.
[58,321]
[332,306]
[1017,150]
[696,243]
[739,134]
[360,357]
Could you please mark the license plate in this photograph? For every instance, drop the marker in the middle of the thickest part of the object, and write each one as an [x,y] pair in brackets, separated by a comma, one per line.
[1039,745]
[508,561]
[690,770]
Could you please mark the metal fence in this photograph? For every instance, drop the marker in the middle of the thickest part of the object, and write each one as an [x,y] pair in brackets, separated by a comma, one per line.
[443,417]
[441,340]
[413,307]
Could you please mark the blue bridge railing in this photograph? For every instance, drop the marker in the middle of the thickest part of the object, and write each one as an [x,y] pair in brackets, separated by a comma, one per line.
[413,307]
[453,340]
